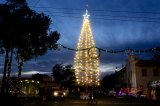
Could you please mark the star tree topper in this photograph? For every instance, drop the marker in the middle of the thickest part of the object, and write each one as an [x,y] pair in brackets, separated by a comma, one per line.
[86,15]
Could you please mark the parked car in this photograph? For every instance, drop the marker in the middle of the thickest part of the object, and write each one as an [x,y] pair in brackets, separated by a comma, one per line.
[53,94]
[58,95]
[112,93]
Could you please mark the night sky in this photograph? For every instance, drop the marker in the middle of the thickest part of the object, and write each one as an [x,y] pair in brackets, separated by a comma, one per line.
[116,25]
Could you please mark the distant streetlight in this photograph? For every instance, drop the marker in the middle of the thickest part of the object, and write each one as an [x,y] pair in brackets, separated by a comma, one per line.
[116,69]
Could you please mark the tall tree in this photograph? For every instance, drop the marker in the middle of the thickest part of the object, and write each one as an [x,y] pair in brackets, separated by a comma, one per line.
[58,73]
[70,79]
[24,33]
[64,75]
[38,77]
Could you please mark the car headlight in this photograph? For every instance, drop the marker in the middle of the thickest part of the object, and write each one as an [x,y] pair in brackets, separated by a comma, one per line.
[55,93]
[64,93]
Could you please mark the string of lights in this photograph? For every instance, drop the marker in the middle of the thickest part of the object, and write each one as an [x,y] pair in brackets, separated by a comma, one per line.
[86,69]
[127,51]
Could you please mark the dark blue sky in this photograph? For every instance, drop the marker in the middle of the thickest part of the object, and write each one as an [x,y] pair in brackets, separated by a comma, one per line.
[116,25]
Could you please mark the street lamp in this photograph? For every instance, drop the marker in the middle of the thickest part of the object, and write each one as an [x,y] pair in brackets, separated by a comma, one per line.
[116,69]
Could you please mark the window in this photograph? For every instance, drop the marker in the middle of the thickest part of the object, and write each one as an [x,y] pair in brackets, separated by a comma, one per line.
[155,72]
[144,72]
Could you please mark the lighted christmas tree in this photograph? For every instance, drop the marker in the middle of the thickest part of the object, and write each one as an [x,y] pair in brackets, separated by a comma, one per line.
[86,61]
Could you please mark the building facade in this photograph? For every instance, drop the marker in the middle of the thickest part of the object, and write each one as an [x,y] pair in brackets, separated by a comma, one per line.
[139,73]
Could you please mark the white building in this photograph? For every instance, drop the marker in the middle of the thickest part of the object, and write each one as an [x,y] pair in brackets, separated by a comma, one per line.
[139,73]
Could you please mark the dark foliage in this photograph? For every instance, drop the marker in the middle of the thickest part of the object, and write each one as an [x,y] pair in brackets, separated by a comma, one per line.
[64,75]
[24,32]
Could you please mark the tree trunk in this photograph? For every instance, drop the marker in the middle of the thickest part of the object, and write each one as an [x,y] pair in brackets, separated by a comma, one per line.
[10,63]
[20,64]
[4,83]
[9,70]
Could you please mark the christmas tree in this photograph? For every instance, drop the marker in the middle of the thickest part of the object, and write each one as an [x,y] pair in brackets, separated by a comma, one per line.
[86,61]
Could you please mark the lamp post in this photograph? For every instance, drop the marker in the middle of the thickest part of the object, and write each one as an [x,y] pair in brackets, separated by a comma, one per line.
[116,69]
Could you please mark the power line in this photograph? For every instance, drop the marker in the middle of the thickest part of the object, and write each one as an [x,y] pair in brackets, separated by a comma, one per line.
[117,11]
[107,17]
[36,3]
[154,21]
[59,12]
[138,17]
[131,17]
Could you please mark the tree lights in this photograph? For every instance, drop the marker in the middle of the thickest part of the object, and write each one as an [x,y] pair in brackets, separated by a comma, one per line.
[86,62]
